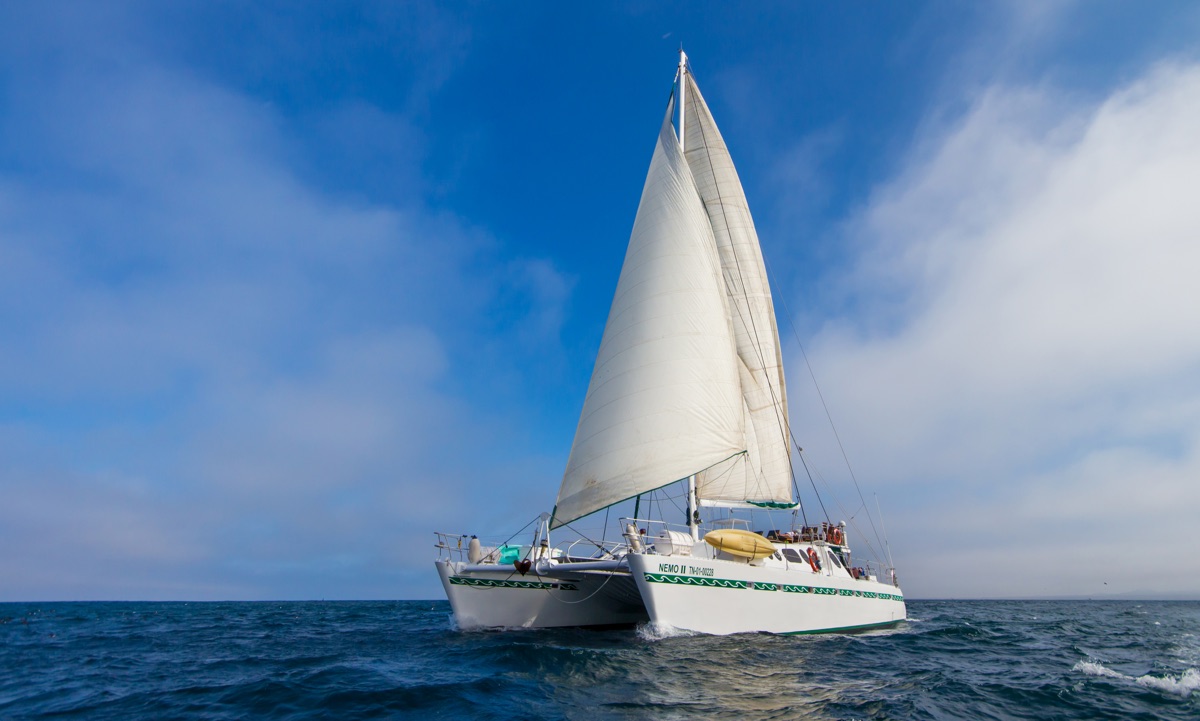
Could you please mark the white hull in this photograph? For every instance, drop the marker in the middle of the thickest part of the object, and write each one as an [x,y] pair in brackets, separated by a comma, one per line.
[505,599]
[715,596]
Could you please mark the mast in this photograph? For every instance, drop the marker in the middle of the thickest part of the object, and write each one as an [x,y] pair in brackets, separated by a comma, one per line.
[693,524]
[692,505]
[682,98]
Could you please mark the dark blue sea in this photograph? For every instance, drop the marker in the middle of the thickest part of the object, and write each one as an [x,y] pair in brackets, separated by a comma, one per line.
[369,660]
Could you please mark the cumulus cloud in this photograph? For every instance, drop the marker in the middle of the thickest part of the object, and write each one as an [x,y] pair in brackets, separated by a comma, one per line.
[1022,369]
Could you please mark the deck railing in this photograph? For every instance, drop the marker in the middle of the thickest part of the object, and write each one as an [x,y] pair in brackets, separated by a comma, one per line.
[455,546]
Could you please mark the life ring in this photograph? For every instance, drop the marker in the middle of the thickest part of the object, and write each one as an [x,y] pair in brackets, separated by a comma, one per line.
[835,536]
[814,561]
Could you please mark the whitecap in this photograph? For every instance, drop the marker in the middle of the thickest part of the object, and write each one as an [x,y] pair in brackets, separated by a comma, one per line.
[1095,669]
[658,631]
[1187,682]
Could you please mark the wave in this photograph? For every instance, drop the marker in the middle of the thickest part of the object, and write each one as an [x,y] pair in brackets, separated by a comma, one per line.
[1186,683]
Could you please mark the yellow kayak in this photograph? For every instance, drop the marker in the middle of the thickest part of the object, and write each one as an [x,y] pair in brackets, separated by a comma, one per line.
[740,543]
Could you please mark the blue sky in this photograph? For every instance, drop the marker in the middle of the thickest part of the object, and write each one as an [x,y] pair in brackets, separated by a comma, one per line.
[285,288]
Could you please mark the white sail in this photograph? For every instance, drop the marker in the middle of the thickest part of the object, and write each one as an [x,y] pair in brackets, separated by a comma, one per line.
[764,473]
[665,400]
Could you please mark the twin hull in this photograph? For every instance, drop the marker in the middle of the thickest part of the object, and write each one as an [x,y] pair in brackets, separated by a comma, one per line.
[506,599]
[721,597]
[697,594]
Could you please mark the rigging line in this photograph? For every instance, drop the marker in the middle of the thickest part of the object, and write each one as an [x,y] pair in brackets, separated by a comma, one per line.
[784,426]
[604,530]
[780,411]
[800,451]
[527,525]
[758,345]
[665,485]
[727,474]
[825,406]
[884,527]
[829,489]
[583,536]
[796,487]
[851,516]
[814,483]
[866,540]
[593,593]
[677,508]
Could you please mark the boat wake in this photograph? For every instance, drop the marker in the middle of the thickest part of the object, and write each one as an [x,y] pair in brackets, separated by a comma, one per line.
[659,631]
[1187,682]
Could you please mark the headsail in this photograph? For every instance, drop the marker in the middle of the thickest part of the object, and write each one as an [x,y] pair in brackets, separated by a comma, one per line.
[764,474]
[665,400]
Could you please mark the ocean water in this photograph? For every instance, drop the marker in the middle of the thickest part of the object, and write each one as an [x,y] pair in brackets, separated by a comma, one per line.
[367,660]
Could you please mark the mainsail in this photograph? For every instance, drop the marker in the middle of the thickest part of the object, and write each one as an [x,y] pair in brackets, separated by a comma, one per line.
[689,377]
[765,472]
[665,399]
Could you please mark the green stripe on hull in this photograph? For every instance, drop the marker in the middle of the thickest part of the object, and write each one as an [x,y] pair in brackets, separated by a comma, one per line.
[495,583]
[696,581]
[761,586]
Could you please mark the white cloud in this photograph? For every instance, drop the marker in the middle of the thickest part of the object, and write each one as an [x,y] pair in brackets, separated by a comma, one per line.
[1026,366]
[217,379]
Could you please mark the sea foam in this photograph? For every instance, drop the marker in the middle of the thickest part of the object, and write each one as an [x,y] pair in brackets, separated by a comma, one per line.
[1187,682]
[1095,669]
[659,631]
[1183,685]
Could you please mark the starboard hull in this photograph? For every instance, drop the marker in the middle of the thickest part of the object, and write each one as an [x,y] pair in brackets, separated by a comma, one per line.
[506,599]
[723,597]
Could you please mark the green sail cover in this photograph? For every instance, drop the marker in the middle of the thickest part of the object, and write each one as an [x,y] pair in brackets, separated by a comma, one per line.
[772,504]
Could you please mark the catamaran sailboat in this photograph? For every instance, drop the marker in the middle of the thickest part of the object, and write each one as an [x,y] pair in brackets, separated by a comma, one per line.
[687,392]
